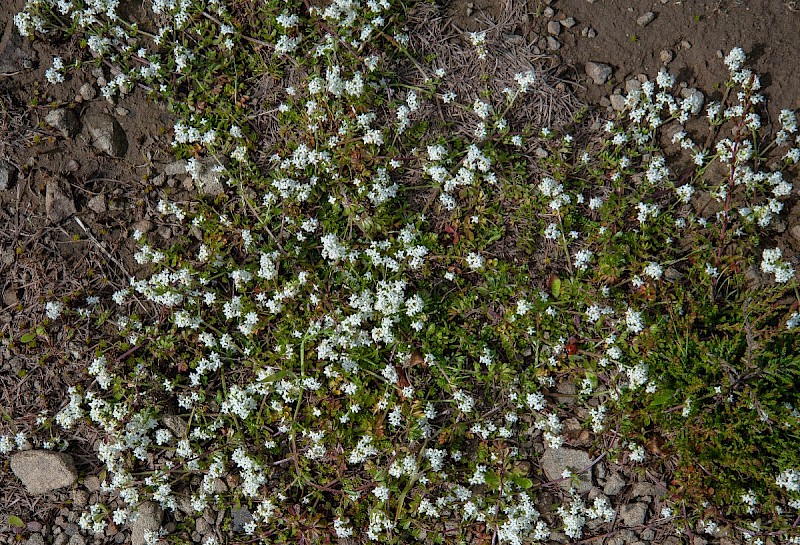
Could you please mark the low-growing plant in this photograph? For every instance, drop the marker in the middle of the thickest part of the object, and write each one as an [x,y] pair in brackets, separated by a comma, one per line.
[369,333]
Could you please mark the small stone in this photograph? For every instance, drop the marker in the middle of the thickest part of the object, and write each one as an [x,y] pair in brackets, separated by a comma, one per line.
[148,519]
[106,134]
[175,424]
[646,19]
[240,517]
[63,120]
[43,471]
[175,168]
[555,461]
[697,98]
[34,526]
[513,39]
[58,202]
[8,175]
[633,86]
[643,490]
[35,539]
[202,527]
[633,514]
[614,484]
[554,28]
[591,33]
[549,12]
[97,204]
[795,231]
[122,112]
[598,72]
[91,483]
[87,91]
[685,44]
[553,44]
[219,485]
[77,539]
[60,539]
[143,226]
[569,22]
[648,535]
[80,498]
[665,56]
[617,102]
[470,9]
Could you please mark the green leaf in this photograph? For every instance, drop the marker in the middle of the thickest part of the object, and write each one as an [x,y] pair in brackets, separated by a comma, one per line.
[15,521]
[523,482]
[28,337]
[556,288]
[492,480]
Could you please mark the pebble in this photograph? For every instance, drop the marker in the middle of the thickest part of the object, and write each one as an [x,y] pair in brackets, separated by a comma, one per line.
[59,206]
[795,232]
[8,175]
[64,120]
[35,539]
[646,19]
[87,91]
[591,33]
[685,44]
[665,56]
[554,28]
[148,520]
[598,72]
[107,134]
[633,514]
[80,497]
[97,204]
[43,471]
[553,44]
[633,85]
[549,12]
[569,22]
[614,484]
[91,483]
[617,102]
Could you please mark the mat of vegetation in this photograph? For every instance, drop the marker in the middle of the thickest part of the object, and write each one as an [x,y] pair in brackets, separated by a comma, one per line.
[422,298]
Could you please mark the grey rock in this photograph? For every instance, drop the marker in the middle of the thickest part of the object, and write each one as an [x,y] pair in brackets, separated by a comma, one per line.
[549,12]
[240,517]
[685,44]
[665,56]
[614,484]
[80,498]
[645,19]
[633,85]
[555,461]
[97,204]
[633,514]
[106,134]
[175,424]
[202,527]
[60,539]
[91,483]
[591,33]
[696,97]
[795,231]
[8,175]
[648,535]
[148,519]
[208,177]
[72,529]
[35,539]
[87,91]
[617,102]
[43,471]
[644,490]
[175,168]
[143,226]
[77,539]
[120,538]
[554,28]
[569,22]
[58,202]
[553,44]
[64,120]
[598,72]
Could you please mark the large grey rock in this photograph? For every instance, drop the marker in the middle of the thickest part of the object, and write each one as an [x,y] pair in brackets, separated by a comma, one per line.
[598,72]
[240,517]
[555,461]
[64,120]
[645,19]
[633,514]
[617,102]
[148,519]
[695,97]
[174,424]
[207,175]
[8,175]
[58,202]
[42,471]
[106,134]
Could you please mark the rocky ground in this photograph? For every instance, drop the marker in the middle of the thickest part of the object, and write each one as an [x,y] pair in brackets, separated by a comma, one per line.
[79,174]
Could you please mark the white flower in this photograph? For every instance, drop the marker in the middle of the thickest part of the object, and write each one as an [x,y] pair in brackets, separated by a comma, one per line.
[475,261]
[54,309]
[633,320]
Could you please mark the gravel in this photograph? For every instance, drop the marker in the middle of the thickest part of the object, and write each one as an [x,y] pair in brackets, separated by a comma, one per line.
[598,72]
